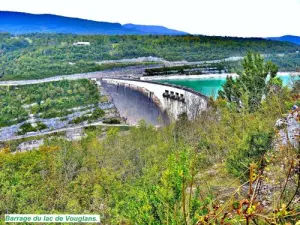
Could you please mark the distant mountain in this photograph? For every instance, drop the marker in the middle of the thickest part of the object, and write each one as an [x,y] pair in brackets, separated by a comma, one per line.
[20,23]
[287,38]
[23,23]
[150,29]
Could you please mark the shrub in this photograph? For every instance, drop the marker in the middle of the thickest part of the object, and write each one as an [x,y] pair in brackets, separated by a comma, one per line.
[112,121]
[254,147]
[27,127]
[97,114]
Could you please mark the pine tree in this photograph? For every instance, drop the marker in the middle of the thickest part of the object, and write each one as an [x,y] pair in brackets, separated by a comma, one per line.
[252,84]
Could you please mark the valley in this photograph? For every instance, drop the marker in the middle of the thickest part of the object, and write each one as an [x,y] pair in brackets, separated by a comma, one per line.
[147,125]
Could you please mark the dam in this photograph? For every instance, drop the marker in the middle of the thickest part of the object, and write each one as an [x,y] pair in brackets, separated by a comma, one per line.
[171,99]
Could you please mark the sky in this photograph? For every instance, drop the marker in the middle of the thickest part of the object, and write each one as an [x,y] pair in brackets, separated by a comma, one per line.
[244,18]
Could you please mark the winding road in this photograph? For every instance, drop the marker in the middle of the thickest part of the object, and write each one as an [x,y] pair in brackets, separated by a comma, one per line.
[127,72]
[63,130]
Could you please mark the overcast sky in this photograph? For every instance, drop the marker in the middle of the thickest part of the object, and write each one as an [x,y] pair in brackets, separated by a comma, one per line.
[259,18]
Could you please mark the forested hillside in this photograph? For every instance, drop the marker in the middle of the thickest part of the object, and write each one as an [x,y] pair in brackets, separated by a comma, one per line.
[229,165]
[47,100]
[289,62]
[42,55]
[147,176]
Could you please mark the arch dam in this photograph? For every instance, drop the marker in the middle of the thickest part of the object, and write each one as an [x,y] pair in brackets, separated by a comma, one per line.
[172,99]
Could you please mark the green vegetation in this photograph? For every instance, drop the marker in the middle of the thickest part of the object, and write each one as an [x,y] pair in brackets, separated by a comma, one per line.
[191,172]
[248,89]
[46,100]
[112,121]
[95,115]
[36,56]
[287,62]
[28,127]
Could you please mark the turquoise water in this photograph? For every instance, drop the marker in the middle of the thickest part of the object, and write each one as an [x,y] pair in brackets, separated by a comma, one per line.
[210,87]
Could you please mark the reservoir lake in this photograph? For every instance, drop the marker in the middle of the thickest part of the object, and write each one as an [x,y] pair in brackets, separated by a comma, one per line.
[211,86]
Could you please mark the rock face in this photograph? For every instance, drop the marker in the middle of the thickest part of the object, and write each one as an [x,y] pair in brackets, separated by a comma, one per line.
[30,145]
[289,129]
[280,123]
[293,129]
[274,174]
[75,134]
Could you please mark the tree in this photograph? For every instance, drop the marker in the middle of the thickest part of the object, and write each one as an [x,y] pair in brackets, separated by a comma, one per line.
[252,84]
[255,145]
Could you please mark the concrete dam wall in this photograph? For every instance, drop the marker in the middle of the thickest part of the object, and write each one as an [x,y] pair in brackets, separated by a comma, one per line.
[170,98]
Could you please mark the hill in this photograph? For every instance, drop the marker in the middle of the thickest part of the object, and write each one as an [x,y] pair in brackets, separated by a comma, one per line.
[287,38]
[37,55]
[157,30]
[205,171]
[24,23]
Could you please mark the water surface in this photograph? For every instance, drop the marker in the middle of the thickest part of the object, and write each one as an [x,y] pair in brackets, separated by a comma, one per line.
[211,86]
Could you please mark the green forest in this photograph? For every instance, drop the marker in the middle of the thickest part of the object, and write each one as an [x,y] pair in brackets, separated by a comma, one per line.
[289,62]
[210,170]
[36,56]
[49,100]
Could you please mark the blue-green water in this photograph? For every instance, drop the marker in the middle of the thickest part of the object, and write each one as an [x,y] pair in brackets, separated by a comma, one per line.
[211,86]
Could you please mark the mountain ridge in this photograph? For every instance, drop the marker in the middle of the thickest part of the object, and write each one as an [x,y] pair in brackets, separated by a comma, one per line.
[24,23]
[154,29]
[287,38]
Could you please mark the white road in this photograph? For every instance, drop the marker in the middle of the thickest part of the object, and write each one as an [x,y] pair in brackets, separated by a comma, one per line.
[131,71]
[63,130]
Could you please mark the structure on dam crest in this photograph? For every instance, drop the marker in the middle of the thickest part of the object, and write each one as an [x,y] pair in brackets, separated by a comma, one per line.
[173,99]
